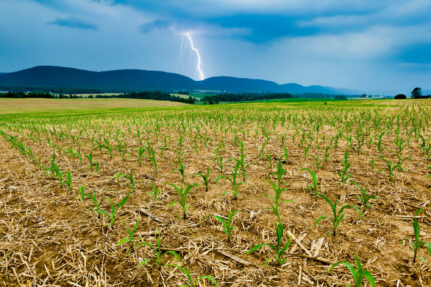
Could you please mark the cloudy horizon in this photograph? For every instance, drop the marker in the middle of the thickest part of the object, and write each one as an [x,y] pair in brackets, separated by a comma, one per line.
[374,47]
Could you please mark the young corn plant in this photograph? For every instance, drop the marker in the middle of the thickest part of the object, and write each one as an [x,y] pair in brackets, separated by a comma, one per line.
[130,239]
[358,273]
[152,156]
[206,178]
[69,180]
[220,161]
[234,181]
[227,224]
[182,192]
[181,170]
[93,198]
[91,162]
[195,283]
[390,166]
[154,191]
[313,186]
[159,252]
[418,243]
[278,247]
[131,179]
[141,152]
[365,198]
[114,210]
[337,215]
[242,163]
[278,190]
[345,175]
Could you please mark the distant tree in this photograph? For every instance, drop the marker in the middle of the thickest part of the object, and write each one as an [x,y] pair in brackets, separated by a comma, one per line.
[364,96]
[340,97]
[416,93]
[400,97]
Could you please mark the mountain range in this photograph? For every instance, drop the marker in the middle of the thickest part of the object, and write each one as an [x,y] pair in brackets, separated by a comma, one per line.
[61,79]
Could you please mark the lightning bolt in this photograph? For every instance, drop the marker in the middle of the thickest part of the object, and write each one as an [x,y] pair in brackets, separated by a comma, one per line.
[198,55]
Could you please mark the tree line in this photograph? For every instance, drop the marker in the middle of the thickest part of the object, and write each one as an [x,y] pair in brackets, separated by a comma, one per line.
[148,95]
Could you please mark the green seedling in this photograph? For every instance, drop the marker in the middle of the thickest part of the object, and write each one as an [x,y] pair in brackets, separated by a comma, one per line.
[108,146]
[118,176]
[221,162]
[141,151]
[337,215]
[181,170]
[234,181]
[346,165]
[154,191]
[152,156]
[195,283]
[206,178]
[93,198]
[69,180]
[279,248]
[242,163]
[160,253]
[227,224]
[358,273]
[131,237]
[418,243]
[278,190]
[131,180]
[91,162]
[114,210]
[365,198]
[390,166]
[182,192]
[313,186]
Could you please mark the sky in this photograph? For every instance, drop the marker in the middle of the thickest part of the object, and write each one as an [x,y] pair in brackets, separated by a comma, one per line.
[366,45]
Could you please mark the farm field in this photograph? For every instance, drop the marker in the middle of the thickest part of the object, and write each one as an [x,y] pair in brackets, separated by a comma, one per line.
[17,106]
[96,195]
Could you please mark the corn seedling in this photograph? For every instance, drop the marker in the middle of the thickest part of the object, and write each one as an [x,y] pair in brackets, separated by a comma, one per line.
[221,162]
[337,215]
[154,191]
[278,190]
[160,253]
[365,198]
[91,162]
[93,198]
[118,176]
[358,273]
[346,165]
[390,166]
[131,237]
[141,151]
[152,156]
[242,163]
[227,224]
[69,180]
[234,181]
[114,210]
[206,178]
[182,192]
[418,243]
[131,180]
[181,170]
[195,283]
[313,186]
[279,248]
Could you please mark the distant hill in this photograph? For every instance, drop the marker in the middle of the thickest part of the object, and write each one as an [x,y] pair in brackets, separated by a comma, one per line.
[60,79]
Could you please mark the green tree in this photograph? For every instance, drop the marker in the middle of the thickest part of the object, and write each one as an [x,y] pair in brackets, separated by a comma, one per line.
[416,93]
